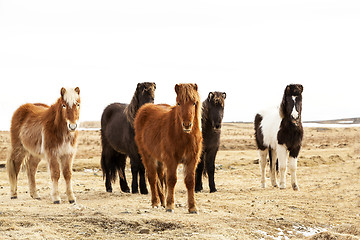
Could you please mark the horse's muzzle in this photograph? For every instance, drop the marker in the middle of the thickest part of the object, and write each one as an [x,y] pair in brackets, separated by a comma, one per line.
[187,127]
[72,127]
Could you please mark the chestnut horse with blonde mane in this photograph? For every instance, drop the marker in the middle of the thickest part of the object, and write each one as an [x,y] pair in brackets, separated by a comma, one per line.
[167,136]
[40,131]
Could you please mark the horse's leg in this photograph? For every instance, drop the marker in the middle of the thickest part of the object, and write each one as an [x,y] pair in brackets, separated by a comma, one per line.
[282,158]
[273,168]
[161,183]
[210,168]
[143,188]
[262,161]
[293,166]
[137,168]
[199,173]
[55,175]
[31,167]
[189,170]
[171,179]
[13,165]
[151,171]
[122,176]
[66,165]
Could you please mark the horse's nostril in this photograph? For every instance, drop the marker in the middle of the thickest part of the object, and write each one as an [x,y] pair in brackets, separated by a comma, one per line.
[187,125]
[72,126]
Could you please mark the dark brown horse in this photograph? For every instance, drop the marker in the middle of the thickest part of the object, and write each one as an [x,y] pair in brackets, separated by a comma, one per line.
[39,131]
[167,136]
[117,137]
[212,115]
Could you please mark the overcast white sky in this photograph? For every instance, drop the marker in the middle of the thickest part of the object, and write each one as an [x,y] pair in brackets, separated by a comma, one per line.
[249,49]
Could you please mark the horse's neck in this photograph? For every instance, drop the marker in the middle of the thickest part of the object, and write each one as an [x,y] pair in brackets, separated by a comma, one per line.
[54,119]
[132,109]
[205,120]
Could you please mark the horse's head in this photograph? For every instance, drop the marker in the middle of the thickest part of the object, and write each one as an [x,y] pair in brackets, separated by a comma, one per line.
[292,103]
[188,105]
[145,92]
[70,107]
[215,109]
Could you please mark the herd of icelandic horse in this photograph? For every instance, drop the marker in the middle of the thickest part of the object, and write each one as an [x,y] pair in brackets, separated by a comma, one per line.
[156,138]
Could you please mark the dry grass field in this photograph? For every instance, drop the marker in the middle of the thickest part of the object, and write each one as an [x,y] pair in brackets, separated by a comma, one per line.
[326,207]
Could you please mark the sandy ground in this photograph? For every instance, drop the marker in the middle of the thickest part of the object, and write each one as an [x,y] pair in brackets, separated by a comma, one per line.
[326,207]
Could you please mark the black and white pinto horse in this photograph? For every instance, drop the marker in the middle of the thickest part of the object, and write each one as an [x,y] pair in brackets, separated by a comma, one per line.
[212,115]
[279,131]
[117,138]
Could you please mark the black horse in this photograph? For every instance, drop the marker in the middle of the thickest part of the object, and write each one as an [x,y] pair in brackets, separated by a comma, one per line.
[212,115]
[117,137]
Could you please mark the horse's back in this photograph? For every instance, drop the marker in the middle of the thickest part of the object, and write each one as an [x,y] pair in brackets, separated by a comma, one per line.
[268,122]
[114,124]
[26,124]
[150,125]
[151,114]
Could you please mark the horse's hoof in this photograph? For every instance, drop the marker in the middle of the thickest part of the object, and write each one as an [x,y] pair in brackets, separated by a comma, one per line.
[109,190]
[14,197]
[38,198]
[295,187]
[127,190]
[57,202]
[135,191]
[275,186]
[144,191]
[170,210]
[213,190]
[71,201]
[193,212]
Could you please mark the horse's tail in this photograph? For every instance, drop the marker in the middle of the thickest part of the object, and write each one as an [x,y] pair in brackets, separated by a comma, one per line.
[10,167]
[111,161]
[277,162]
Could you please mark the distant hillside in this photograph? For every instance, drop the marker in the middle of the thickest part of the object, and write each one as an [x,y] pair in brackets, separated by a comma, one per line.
[97,124]
[338,121]
[90,124]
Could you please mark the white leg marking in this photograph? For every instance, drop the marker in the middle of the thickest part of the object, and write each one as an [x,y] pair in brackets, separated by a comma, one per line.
[262,163]
[282,157]
[292,168]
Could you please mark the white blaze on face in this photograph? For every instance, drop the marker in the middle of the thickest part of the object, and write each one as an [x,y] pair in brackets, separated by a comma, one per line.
[294,112]
[71,97]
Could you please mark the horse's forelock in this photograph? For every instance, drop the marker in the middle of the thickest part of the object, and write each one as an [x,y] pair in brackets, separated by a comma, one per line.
[70,96]
[218,98]
[187,92]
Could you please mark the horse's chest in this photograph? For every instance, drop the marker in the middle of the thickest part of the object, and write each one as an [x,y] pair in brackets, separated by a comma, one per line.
[66,148]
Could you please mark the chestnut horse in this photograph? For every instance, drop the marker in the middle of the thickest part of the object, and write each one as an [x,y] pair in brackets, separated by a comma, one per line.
[167,136]
[39,131]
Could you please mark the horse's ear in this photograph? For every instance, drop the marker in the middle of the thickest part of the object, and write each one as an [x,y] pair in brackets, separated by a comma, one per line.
[195,87]
[77,89]
[154,84]
[211,95]
[287,90]
[301,88]
[177,88]
[224,95]
[62,92]
[138,85]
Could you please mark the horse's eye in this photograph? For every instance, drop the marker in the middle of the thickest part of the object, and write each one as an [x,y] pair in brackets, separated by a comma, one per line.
[78,105]
[178,104]
[194,104]
[64,106]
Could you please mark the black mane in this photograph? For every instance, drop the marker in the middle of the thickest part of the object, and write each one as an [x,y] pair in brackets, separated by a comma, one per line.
[135,103]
